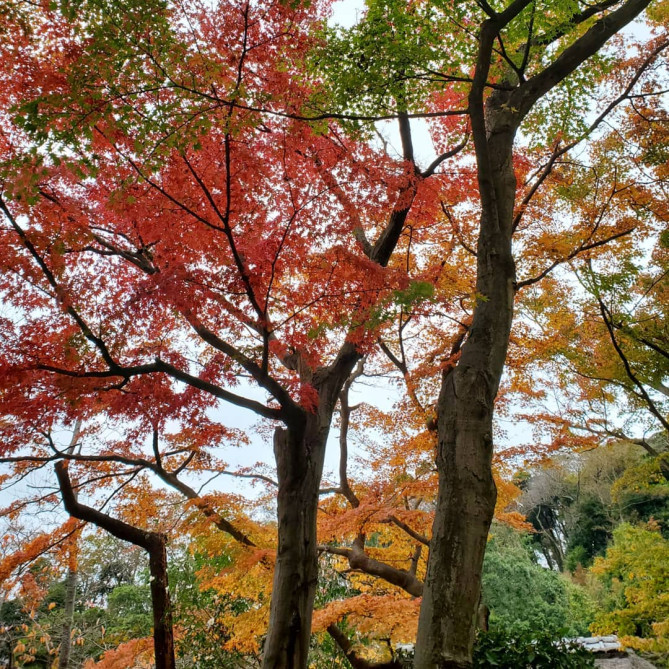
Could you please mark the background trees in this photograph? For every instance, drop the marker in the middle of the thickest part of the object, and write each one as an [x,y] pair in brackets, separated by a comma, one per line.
[631,576]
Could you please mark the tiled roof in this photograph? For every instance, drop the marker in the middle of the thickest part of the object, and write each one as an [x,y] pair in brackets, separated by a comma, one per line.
[598,644]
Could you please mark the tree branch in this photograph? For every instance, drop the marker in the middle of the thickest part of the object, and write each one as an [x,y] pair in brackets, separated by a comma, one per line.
[356,661]
[360,561]
[606,316]
[586,46]
[583,247]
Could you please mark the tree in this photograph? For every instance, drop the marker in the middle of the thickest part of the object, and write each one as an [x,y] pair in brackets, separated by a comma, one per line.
[185,209]
[575,500]
[633,597]
[470,382]
[466,497]
[155,545]
[265,256]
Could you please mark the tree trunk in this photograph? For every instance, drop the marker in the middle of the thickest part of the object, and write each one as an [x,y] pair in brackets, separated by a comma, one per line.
[163,637]
[299,458]
[66,641]
[154,543]
[467,494]
[465,506]
[299,450]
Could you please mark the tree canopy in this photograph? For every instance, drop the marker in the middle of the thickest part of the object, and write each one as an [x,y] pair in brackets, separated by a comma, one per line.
[209,208]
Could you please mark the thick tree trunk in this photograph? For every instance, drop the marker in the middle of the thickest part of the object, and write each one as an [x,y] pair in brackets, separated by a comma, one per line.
[299,458]
[66,641]
[299,450]
[467,494]
[464,511]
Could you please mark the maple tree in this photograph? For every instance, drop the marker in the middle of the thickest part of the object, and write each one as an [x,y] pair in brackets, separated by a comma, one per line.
[553,245]
[269,256]
[465,407]
[193,207]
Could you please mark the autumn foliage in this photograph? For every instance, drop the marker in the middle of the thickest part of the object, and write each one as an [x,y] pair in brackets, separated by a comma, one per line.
[203,215]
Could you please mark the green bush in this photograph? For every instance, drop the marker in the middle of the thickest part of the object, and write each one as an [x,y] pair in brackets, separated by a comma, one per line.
[508,648]
[523,595]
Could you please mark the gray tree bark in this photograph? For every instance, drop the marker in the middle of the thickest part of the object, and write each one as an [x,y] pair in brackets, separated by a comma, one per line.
[299,466]
[467,494]
[66,640]
[299,449]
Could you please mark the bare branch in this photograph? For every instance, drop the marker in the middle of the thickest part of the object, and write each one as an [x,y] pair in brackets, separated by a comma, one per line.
[360,561]
[352,656]
[580,249]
